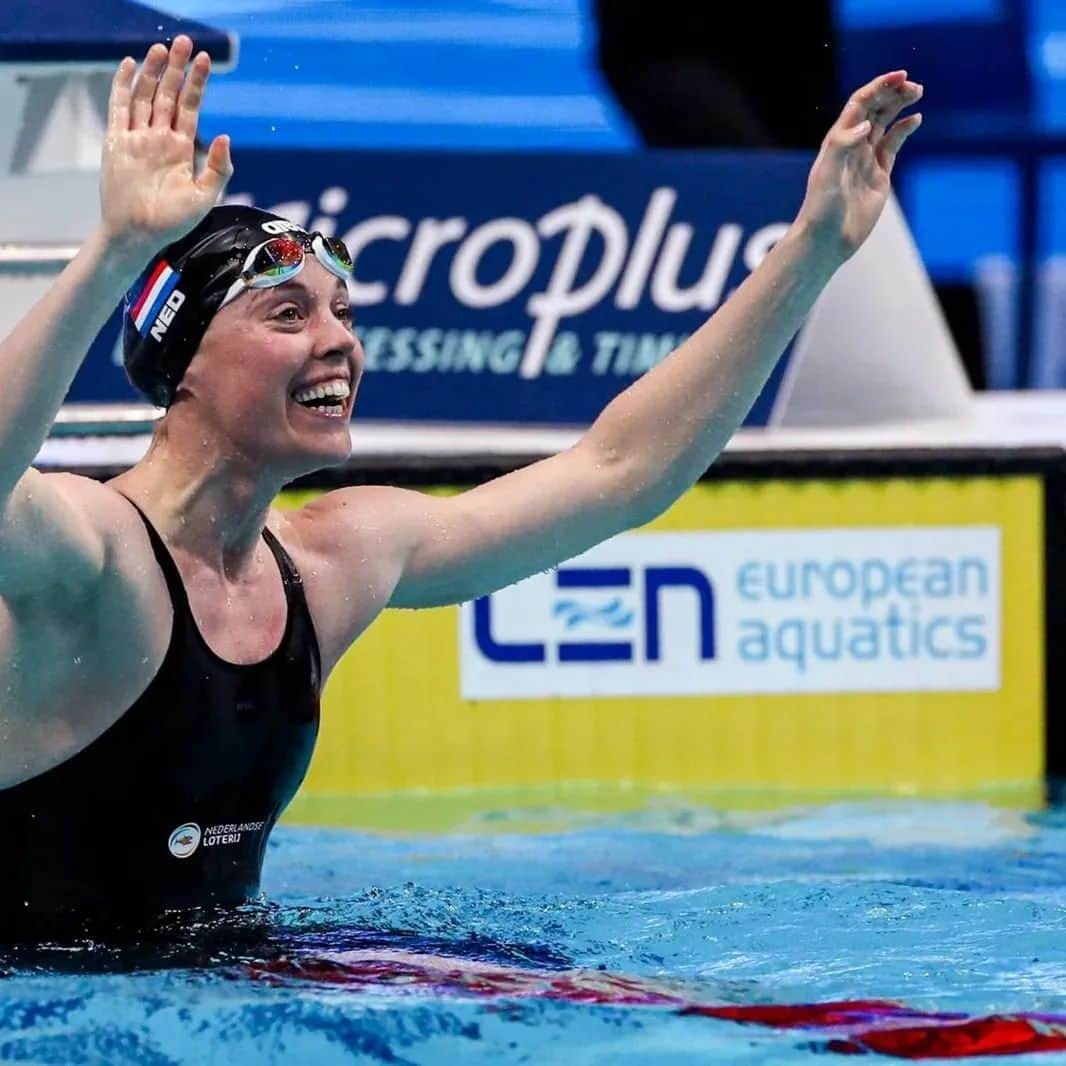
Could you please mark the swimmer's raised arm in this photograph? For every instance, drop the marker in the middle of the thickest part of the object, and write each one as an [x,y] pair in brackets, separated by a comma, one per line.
[660,435]
[149,196]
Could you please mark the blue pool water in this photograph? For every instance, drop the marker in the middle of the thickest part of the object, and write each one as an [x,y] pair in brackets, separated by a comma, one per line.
[954,906]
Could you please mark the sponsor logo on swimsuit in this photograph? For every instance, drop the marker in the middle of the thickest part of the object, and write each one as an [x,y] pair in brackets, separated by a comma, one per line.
[231,833]
[184,840]
[187,838]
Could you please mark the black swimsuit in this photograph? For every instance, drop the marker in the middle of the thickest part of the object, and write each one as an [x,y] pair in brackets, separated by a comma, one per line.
[172,805]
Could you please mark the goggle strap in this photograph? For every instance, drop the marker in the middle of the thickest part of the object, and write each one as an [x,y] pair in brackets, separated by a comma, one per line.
[234,291]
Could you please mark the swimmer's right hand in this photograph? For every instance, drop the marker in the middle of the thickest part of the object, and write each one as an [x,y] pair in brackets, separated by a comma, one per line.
[150,194]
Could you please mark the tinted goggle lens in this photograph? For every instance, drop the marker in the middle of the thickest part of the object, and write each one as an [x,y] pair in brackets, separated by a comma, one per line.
[334,255]
[275,261]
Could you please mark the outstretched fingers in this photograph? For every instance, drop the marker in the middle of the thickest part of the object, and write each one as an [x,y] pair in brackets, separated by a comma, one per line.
[871,98]
[910,92]
[218,168]
[118,106]
[192,95]
[894,139]
[166,97]
[145,87]
[871,105]
[872,109]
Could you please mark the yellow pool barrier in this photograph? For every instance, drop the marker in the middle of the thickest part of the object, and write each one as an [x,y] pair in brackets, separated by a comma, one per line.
[395,726]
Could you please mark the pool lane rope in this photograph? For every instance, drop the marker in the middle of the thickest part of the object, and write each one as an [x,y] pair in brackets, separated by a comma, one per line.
[845,1027]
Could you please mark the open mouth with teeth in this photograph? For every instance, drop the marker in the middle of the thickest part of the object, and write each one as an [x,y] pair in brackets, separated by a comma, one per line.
[329,398]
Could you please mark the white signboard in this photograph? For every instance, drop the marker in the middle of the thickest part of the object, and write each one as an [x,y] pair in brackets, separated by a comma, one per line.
[660,614]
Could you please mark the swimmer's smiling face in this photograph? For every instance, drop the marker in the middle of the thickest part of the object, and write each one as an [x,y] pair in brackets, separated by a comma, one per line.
[277,372]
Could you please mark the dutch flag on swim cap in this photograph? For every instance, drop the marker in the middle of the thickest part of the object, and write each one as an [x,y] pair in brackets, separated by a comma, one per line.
[170,308]
[157,289]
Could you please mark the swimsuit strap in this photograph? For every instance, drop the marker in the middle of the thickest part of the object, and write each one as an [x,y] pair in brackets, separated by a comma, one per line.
[178,596]
[301,624]
[290,576]
[298,612]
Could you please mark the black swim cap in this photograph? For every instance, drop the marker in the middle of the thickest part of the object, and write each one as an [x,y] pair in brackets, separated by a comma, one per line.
[169,309]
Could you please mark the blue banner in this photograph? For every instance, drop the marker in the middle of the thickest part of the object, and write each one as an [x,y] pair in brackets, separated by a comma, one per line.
[520,288]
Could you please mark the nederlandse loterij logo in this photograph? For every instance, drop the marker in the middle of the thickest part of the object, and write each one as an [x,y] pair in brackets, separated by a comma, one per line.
[184,840]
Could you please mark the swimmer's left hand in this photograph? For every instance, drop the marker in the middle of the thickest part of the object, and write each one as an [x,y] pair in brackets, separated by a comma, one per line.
[851,178]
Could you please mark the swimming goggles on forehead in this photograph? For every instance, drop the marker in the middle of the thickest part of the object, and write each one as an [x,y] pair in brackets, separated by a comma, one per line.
[281,258]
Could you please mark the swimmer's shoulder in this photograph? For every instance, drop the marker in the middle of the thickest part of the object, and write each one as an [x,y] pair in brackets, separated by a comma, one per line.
[69,531]
[348,546]
[372,523]
[341,517]
[78,584]
[85,617]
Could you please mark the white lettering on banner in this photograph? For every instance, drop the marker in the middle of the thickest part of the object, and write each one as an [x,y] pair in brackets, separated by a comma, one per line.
[423,351]
[434,350]
[631,354]
[561,300]
[432,235]
[333,201]
[653,263]
[760,243]
[382,228]
[649,237]
[660,614]
[523,239]
[707,292]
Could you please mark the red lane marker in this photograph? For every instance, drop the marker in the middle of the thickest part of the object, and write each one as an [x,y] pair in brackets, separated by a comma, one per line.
[853,1027]
[973,1038]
